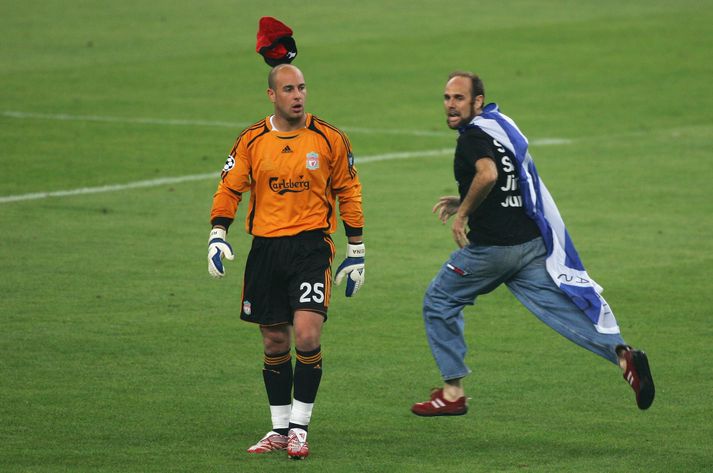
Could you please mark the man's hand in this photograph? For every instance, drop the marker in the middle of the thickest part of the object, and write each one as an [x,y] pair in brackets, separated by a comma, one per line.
[446,206]
[218,249]
[353,268]
[459,230]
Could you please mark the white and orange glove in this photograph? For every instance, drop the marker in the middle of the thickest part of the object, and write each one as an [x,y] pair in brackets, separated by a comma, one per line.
[352,268]
[218,249]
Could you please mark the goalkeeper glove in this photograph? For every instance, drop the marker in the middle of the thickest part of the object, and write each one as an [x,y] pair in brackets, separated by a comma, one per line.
[353,268]
[218,249]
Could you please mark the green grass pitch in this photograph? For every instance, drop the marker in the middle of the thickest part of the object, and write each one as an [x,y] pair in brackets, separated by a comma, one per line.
[118,353]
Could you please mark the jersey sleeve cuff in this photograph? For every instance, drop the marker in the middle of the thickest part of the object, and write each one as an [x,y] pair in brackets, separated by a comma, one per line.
[352,231]
[222,221]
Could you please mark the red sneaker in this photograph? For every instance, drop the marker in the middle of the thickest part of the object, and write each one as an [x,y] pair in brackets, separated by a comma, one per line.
[638,375]
[297,446]
[439,406]
[269,443]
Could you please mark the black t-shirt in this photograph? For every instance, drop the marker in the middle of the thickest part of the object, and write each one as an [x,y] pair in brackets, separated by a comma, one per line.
[500,219]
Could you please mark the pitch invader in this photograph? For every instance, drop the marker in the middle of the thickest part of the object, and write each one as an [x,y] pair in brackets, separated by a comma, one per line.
[510,232]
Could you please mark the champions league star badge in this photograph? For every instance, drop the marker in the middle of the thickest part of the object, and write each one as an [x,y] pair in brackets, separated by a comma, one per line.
[312,161]
[229,164]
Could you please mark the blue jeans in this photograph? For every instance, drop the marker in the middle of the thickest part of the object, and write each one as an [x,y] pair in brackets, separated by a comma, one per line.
[476,270]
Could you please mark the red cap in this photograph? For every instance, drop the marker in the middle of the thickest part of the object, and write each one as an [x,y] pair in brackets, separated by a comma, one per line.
[275,42]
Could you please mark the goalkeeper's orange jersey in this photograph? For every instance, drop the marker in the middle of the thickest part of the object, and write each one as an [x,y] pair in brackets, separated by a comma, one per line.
[294,179]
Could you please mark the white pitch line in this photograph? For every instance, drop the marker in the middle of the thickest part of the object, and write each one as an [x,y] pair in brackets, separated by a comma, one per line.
[214,175]
[197,177]
[109,188]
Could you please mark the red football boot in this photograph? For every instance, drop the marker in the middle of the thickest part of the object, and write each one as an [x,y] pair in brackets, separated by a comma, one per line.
[638,375]
[269,443]
[439,406]
[297,446]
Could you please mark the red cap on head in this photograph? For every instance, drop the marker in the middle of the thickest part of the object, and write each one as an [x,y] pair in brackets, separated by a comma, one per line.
[275,42]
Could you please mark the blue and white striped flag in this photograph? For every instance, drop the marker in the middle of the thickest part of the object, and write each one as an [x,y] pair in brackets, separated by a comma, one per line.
[563,263]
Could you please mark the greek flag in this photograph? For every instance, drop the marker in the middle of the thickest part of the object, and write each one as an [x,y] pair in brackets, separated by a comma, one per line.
[563,263]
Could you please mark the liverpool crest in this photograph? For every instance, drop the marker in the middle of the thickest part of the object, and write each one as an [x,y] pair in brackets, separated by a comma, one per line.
[312,161]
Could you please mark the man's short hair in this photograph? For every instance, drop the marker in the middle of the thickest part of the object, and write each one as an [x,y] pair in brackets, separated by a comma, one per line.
[476,84]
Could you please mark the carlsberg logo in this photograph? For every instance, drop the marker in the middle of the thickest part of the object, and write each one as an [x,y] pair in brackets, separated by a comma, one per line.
[281,186]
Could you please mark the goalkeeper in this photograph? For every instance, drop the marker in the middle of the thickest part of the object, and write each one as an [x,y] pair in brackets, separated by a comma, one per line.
[295,167]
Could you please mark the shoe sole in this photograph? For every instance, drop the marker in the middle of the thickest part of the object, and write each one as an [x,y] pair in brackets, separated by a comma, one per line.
[464,412]
[262,452]
[647,391]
